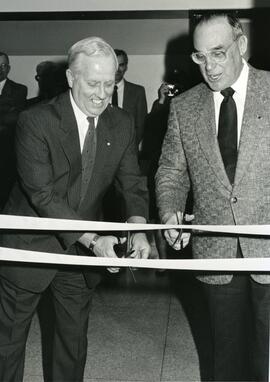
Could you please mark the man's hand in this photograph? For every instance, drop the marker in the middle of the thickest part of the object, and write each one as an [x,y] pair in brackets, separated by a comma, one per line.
[172,235]
[163,92]
[140,245]
[104,248]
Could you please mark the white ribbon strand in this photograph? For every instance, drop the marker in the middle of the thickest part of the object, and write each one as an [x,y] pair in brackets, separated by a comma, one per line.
[236,264]
[12,222]
[49,224]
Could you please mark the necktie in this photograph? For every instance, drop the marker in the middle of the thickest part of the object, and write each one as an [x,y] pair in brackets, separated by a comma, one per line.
[227,132]
[88,155]
[115,96]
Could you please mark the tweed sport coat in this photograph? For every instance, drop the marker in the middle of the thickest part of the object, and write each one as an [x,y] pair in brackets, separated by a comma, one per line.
[49,168]
[191,159]
[134,101]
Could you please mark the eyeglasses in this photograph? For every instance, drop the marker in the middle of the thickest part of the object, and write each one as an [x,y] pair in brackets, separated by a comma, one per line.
[4,66]
[218,56]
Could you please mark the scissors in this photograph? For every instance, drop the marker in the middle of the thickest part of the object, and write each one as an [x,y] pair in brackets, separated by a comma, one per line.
[180,231]
[124,250]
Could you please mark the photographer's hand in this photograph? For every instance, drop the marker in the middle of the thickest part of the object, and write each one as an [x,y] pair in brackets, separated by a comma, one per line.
[163,93]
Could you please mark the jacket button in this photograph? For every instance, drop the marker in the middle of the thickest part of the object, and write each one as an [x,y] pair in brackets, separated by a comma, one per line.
[234,199]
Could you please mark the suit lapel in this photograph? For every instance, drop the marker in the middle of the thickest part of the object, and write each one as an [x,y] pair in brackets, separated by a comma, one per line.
[69,139]
[206,132]
[105,141]
[7,89]
[69,136]
[126,95]
[252,125]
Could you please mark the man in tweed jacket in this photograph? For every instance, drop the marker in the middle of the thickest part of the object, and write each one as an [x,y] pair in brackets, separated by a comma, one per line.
[191,159]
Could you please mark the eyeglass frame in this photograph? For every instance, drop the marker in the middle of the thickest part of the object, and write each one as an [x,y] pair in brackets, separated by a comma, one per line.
[4,65]
[224,51]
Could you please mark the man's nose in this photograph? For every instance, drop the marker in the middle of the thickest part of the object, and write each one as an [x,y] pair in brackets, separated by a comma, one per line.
[209,62]
[101,91]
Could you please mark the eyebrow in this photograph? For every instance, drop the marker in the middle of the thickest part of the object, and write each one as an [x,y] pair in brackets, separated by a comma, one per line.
[218,47]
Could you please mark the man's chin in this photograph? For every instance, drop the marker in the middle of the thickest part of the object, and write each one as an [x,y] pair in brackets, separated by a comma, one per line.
[215,86]
[118,79]
[96,111]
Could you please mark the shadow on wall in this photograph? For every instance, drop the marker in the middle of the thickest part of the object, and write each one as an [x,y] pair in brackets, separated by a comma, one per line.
[178,65]
[260,38]
[51,79]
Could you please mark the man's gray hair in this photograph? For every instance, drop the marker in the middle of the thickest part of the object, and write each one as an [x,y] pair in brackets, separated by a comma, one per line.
[232,20]
[90,46]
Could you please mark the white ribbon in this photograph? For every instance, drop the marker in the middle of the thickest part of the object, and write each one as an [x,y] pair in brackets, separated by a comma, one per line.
[12,222]
[49,224]
[236,264]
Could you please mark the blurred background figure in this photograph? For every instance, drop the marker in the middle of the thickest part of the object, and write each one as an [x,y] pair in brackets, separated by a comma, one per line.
[51,79]
[129,96]
[155,129]
[12,101]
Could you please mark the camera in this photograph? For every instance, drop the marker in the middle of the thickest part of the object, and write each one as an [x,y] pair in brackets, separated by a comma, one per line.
[173,90]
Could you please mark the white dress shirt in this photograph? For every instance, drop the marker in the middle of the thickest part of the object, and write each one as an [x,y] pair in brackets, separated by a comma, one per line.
[120,92]
[2,84]
[240,88]
[82,122]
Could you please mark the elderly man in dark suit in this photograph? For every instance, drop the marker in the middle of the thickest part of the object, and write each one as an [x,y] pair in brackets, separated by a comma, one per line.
[12,94]
[217,144]
[12,102]
[69,151]
[131,97]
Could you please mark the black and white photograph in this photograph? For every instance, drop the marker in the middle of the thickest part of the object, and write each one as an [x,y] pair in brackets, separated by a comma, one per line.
[134,204]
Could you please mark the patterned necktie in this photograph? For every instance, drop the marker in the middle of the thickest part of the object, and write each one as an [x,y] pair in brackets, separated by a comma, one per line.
[115,96]
[227,132]
[88,155]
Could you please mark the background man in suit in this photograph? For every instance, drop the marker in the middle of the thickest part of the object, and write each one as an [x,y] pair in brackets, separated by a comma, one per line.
[131,97]
[12,95]
[69,151]
[12,102]
[227,189]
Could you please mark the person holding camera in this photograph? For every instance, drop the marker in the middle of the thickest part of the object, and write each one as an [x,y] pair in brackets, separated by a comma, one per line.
[155,129]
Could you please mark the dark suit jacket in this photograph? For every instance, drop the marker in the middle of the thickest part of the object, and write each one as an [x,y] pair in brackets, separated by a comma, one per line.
[191,158]
[134,101]
[49,168]
[12,101]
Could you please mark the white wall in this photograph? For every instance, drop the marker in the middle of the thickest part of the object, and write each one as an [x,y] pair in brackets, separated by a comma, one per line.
[144,70]
[146,42]
[109,5]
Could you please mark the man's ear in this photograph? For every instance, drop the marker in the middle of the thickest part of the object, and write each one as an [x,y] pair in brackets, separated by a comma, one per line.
[70,77]
[242,43]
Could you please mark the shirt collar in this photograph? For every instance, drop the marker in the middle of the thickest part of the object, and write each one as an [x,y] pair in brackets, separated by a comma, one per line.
[240,85]
[2,84]
[79,115]
[120,84]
